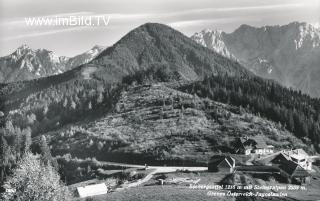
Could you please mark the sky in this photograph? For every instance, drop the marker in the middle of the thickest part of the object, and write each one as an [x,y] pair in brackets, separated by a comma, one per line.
[121,16]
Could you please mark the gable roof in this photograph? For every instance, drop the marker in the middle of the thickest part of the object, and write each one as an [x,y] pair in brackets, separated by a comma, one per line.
[218,159]
[257,142]
[230,161]
[296,154]
[260,141]
[273,157]
[293,169]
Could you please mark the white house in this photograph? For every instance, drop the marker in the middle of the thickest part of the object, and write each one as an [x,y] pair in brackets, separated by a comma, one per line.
[300,157]
[92,190]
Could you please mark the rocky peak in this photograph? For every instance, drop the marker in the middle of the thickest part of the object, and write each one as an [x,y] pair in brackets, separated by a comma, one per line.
[22,51]
[213,39]
[288,53]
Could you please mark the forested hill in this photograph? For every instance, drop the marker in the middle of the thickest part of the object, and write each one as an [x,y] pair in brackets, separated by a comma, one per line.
[299,113]
[152,45]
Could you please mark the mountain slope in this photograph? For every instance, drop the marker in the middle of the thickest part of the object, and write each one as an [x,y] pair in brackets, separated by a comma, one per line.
[289,54]
[26,63]
[158,123]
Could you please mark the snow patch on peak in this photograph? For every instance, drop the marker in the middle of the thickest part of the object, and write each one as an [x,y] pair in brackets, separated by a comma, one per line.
[212,39]
[308,36]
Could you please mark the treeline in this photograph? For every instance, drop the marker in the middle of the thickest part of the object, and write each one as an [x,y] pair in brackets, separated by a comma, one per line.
[59,105]
[299,113]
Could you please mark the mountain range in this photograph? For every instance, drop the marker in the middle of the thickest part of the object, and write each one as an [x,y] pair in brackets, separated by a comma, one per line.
[288,54]
[26,63]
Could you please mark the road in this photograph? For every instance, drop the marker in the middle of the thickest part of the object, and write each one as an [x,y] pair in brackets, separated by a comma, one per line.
[156,170]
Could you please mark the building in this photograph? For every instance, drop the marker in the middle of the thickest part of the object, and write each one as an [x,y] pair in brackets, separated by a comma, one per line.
[253,145]
[294,172]
[300,157]
[92,190]
[220,163]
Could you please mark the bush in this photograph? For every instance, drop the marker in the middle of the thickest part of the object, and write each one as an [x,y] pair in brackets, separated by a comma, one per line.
[32,180]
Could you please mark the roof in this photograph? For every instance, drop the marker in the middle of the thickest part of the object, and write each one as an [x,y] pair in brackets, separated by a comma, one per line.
[270,158]
[258,168]
[260,142]
[231,162]
[293,169]
[257,142]
[218,159]
[297,154]
[91,190]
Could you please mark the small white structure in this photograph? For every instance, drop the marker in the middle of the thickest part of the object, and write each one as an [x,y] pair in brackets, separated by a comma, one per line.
[92,190]
[264,150]
[253,145]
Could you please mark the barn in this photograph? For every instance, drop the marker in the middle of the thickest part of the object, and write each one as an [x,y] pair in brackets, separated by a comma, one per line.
[220,163]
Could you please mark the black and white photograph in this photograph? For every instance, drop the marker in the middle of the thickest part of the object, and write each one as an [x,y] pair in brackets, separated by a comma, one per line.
[160,100]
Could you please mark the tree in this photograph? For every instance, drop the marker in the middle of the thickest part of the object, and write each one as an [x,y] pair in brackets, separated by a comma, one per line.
[118,108]
[65,102]
[9,127]
[45,109]
[73,105]
[31,119]
[46,154]
[4,157]
[100,98]
[90,105]
[28,140]
[18,144]
[35,181]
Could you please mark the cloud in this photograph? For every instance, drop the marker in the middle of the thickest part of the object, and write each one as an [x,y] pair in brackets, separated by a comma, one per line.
[43,33]
[240,8]
[202,22]
[186,18]
[123,16]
